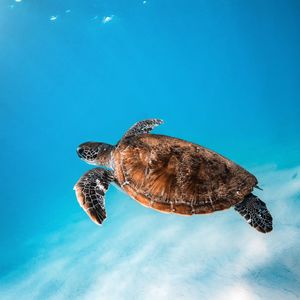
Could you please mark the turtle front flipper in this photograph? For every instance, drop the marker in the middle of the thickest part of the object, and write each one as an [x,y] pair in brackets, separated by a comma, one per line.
[256,213]
[142,127]
[90,191]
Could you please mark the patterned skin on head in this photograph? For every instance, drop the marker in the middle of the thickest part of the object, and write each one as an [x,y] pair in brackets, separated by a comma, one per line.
[95,153]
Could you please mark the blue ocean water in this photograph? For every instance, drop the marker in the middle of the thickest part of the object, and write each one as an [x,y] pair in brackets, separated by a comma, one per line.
[224,74]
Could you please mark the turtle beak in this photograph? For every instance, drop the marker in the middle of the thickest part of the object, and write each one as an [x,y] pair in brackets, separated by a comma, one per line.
[79,152]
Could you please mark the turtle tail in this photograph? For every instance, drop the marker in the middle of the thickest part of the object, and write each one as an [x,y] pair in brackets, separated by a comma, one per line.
[256,213]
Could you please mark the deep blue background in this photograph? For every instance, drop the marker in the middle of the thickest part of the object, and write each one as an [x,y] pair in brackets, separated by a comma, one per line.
[224,74]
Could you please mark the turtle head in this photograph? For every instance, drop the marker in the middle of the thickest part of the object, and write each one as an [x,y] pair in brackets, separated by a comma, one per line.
[95,153]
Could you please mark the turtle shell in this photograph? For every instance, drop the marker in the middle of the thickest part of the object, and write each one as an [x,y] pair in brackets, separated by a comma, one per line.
[173,175]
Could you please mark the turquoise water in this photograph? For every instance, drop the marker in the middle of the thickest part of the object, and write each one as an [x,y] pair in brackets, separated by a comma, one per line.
[223,74]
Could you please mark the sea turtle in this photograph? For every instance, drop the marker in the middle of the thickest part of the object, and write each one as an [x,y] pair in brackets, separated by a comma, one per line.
[169,175]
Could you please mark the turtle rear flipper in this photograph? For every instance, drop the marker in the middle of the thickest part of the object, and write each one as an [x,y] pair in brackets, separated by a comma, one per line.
[90,191]
[256,213]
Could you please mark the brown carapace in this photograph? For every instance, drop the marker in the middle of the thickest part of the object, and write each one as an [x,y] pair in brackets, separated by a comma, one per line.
[169,175]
